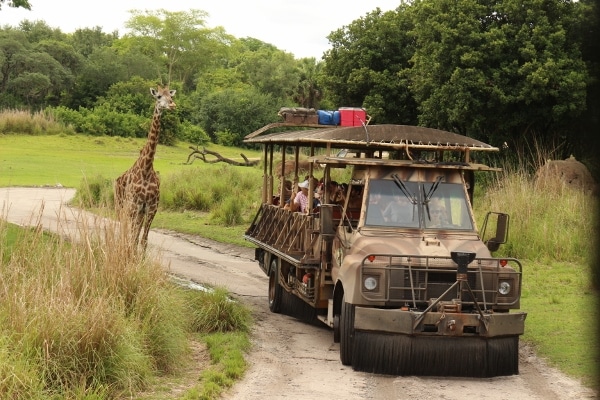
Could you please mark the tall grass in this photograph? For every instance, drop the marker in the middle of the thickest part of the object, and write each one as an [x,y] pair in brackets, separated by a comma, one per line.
[229,194]
[553,230]
[84,317]
[549,220]
[90,317]
[28,123]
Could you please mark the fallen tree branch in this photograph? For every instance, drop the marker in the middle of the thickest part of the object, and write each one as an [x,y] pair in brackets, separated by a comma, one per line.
[196,153]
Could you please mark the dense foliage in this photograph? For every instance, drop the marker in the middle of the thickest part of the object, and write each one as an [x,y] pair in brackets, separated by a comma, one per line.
[508,71]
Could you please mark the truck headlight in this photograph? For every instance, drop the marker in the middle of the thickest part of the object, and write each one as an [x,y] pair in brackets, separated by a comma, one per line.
[370,283]
[504,288]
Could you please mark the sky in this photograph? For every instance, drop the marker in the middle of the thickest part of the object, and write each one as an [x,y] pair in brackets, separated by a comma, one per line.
[297,27]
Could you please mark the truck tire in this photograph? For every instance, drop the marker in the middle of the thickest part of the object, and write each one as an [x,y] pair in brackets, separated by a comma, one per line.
[346,332]
[336,328]
[275,290]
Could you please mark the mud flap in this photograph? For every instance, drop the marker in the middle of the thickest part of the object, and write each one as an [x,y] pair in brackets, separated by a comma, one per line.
[384,353]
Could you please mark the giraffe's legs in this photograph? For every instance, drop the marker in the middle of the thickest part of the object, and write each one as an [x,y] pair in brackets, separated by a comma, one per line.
[147,223]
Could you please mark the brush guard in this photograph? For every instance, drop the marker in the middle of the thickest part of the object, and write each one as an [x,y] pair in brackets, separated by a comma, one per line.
[462,260]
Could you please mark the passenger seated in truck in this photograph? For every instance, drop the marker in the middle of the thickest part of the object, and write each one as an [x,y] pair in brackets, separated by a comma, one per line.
[355,200]
[300,202]
[399,211]
[334,193]
[287,193]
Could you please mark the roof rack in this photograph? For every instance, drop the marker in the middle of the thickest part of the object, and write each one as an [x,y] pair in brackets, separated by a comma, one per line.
[371,137]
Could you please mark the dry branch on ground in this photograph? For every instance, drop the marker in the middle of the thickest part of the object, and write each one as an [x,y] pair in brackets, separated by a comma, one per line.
[201,154]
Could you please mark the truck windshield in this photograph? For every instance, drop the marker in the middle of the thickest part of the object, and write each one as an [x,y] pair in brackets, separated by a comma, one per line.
[427,205]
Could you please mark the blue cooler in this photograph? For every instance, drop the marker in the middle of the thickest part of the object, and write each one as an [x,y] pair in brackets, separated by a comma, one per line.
[328,117]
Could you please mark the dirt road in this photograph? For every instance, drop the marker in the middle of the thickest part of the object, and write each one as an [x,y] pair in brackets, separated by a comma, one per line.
[290,359]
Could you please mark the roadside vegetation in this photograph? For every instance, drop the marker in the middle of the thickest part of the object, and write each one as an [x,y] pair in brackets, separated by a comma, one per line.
[550,231]
[553,231]
[78,321]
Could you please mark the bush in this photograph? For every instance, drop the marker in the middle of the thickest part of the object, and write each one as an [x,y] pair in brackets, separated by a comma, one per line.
[194,134]
[214,311]
[229,212]
[224,188]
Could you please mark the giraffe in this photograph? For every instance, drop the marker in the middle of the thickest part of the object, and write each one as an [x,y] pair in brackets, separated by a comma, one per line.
[137,191]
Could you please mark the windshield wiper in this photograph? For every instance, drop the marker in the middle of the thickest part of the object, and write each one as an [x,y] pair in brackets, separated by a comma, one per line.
[411,197]
[432,189]
[427,197]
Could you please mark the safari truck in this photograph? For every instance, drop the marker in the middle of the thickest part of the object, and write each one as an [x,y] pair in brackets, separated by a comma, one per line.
[415,291]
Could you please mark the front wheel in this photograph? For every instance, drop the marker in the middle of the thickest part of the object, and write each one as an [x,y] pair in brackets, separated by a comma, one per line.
[346,332]
[275,290]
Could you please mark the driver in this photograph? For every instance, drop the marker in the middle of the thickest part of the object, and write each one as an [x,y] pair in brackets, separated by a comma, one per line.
[438,216]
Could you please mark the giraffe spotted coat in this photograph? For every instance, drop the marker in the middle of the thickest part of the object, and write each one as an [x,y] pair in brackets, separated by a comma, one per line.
[137,191]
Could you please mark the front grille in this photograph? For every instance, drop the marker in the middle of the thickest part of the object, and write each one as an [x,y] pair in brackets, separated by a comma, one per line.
[426,284]
[415,280]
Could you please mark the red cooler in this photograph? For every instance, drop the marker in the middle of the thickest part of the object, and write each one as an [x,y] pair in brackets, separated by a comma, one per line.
[352,116]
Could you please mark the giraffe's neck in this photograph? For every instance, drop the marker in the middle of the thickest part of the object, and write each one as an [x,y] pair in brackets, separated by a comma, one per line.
[146,159]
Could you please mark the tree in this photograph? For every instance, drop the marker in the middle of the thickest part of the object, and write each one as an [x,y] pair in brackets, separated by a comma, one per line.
[366,66]
[179,40]
[264,67]
[103,68]
[587,143]
[30,73]
[236,113]
[308,93]
[86,40]
[31,86]
[497,70]
[13,47]
[16,3]
[37,31]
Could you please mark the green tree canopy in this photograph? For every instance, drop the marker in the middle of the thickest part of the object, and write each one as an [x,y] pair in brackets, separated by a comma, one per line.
[178,41]
[236,112]
[366,64]
[33,75]
[16,3]
[497,70]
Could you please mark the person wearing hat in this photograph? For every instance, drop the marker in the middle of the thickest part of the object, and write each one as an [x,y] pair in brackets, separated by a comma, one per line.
[301,200]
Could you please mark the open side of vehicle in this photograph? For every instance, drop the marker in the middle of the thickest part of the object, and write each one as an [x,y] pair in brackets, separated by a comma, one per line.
[399,270]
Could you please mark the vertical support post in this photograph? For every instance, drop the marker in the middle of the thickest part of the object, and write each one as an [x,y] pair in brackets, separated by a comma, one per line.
[270,183]
[282,178]
[297,165]
[265,174]
[311,186]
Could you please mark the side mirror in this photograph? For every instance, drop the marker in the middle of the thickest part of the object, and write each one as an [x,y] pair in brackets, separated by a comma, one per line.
[500,236]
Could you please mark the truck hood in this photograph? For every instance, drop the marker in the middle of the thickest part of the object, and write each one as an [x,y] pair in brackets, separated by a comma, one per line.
[422,245]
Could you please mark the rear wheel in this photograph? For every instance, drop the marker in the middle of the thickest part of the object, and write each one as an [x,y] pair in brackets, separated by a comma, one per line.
[274,288]
[346,332]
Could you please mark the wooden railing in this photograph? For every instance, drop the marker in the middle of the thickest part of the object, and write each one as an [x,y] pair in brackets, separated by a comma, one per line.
[289,232]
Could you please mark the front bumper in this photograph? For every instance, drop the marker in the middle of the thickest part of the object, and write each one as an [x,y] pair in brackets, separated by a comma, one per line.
[397,321]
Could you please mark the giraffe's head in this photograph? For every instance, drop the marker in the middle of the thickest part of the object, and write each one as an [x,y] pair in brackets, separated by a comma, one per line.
[164,97]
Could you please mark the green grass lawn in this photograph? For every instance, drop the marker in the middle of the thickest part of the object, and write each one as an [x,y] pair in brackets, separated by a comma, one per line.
[563,317]
[67,159]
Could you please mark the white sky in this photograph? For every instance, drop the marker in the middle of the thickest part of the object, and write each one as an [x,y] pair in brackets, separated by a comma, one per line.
[296,26]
